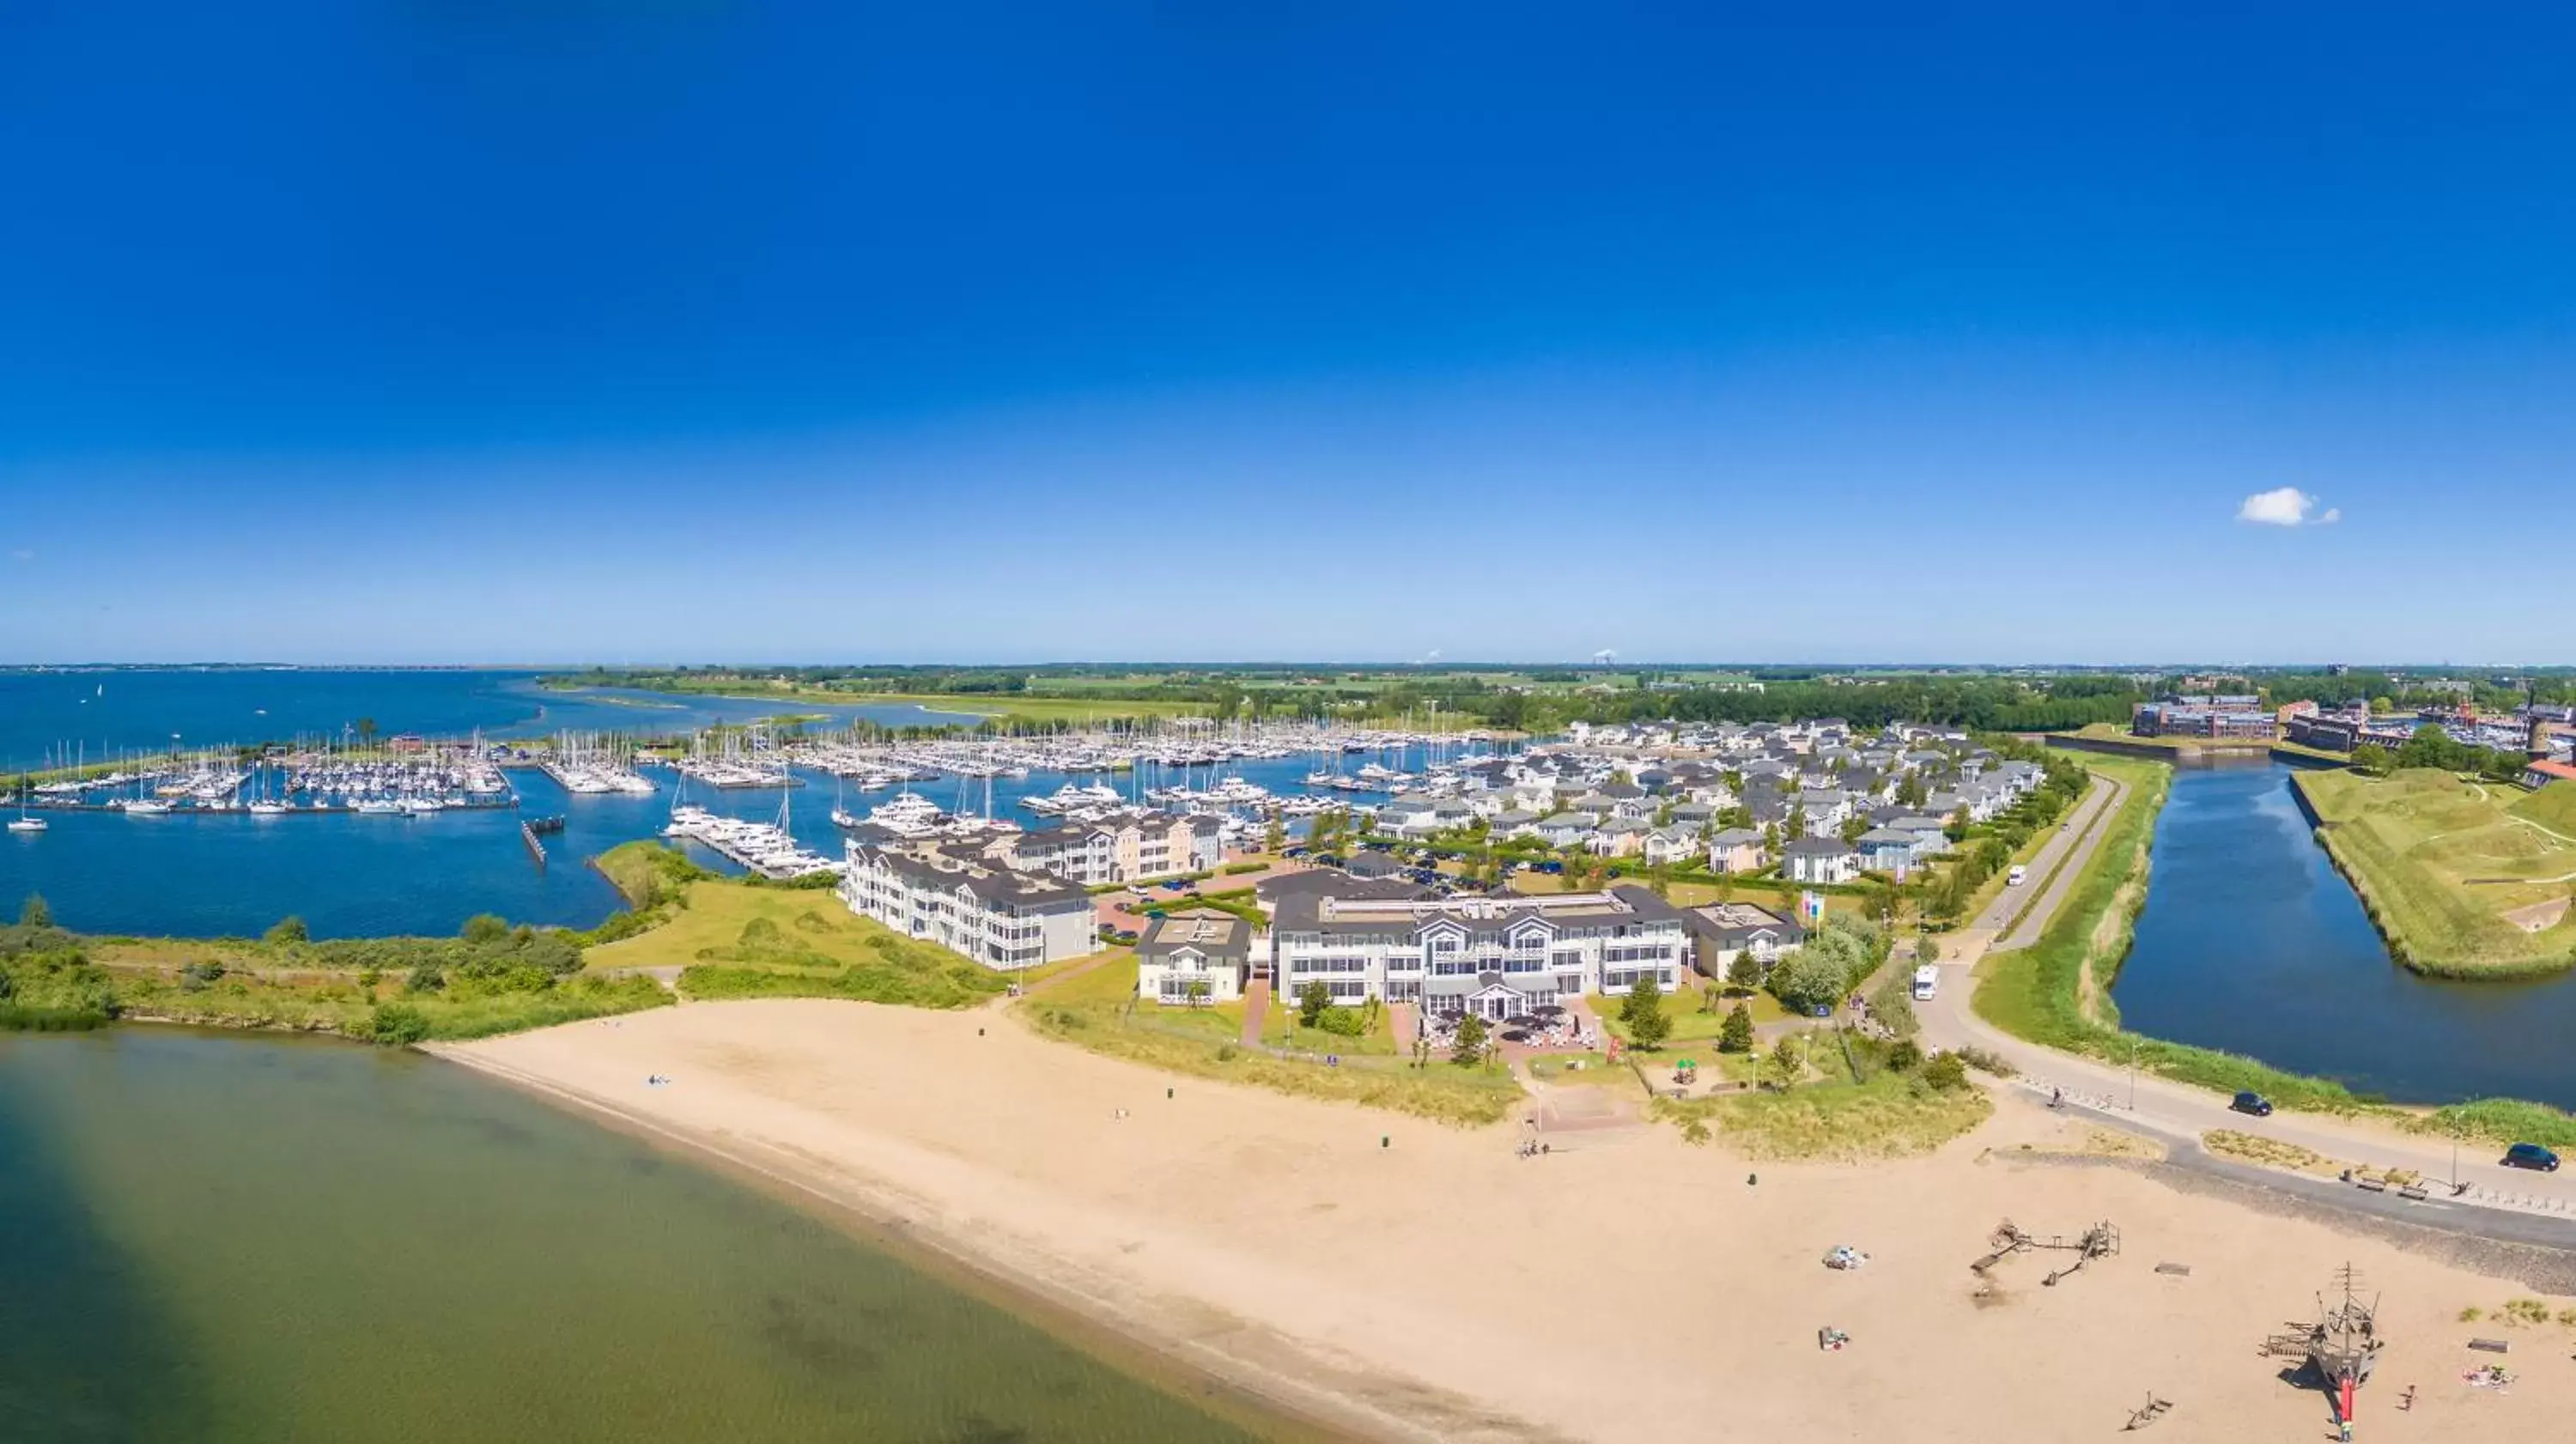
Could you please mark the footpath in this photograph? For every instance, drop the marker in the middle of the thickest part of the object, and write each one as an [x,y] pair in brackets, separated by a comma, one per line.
[2178,1113]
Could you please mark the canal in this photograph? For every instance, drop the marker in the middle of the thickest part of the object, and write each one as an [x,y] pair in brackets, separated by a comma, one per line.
[2252,943]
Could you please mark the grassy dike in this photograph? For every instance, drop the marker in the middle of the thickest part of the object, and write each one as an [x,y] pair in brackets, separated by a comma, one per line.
[2432,859]
[2056,993]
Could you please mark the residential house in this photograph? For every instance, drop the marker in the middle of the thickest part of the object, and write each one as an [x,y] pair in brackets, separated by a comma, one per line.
[1722,932]
[1819,860]
[1197,956]
[1737,849]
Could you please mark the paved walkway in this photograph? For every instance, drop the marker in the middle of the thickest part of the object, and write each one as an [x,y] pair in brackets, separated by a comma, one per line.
[2180,1114]
[1256,1011]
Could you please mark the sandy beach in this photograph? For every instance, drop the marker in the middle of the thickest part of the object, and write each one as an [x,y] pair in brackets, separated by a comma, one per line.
[1628,1288]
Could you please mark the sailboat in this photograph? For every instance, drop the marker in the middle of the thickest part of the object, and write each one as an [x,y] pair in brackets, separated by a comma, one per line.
[24,822]
[840,814]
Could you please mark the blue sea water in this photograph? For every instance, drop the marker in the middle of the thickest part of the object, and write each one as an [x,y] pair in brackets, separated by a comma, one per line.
[231,874]
[108,712]
[2251,942]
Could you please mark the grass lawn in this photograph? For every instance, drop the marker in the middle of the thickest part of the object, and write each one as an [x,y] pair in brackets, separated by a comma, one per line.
[2439,863]
[1099,1012]
[1596,1069]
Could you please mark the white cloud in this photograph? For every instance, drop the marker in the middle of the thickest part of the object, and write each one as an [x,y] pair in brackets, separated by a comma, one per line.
[2286,506]
[23,554]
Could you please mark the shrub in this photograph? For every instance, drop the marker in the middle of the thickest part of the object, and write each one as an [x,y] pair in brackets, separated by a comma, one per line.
[1342,1022]
[1985,1062]
[288,929]
[484,928]
[1947,1072]
[1904,1055]
[425,978]
[398,1025]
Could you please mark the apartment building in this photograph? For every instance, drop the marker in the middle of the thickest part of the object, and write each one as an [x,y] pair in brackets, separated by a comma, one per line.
[1494,956]
[999,916]
[1124,846]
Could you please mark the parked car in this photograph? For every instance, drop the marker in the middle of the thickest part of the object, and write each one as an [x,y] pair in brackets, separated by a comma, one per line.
[2531,1155]
[2254,1103]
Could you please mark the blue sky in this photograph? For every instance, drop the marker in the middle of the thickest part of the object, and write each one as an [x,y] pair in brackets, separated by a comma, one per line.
[445,332]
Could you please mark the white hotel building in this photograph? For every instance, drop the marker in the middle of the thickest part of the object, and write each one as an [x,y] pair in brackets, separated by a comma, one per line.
[1488,955]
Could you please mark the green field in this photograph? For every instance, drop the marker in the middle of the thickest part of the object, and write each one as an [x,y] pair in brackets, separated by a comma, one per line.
[2466,879]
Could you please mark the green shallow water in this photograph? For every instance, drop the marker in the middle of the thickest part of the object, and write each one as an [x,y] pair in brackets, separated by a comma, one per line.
[222,1238]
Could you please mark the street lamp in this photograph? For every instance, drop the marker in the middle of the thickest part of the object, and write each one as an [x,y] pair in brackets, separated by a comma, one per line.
[2133,1072]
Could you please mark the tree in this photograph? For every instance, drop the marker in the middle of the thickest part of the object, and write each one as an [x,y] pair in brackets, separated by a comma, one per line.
[1812,977]
[484,928]
[366,727]
[1926,950]
[289,929]
[1312,999]
[1947,1072]
[1905,1055]
[1785,1066]
[1274,837]
[425,978]
[1643,1011]
[1471,1041]
[33,913]
[1854,826]
[1745,972]
[1198,991]
[1735,1035]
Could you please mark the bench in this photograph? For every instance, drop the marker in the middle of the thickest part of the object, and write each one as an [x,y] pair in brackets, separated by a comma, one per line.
[2375,1185]
[2489,1346]
[2414,1191]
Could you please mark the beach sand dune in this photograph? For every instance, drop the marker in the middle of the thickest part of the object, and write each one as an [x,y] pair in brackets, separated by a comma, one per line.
[1629,1288]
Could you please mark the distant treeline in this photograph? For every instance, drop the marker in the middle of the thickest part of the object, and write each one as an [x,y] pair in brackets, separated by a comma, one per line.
[1545,699]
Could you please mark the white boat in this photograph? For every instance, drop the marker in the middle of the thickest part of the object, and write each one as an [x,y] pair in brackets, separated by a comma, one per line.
[27,824]
[376,807]
[145,807]
[269,809]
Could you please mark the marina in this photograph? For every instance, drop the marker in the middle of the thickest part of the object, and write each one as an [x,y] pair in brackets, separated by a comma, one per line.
[418,840]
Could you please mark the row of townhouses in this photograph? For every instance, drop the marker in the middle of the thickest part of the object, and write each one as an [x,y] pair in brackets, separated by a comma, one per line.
[1126,846]
[1001,916]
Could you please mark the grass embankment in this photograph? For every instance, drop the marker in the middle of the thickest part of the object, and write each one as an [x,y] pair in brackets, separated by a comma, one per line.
[2057,993]
[2464,879]
[733,939]
[1100,1012]
[1886,1115]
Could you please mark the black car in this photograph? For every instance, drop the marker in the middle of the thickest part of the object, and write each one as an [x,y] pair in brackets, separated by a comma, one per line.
[2531,1155]
[2254,1103]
